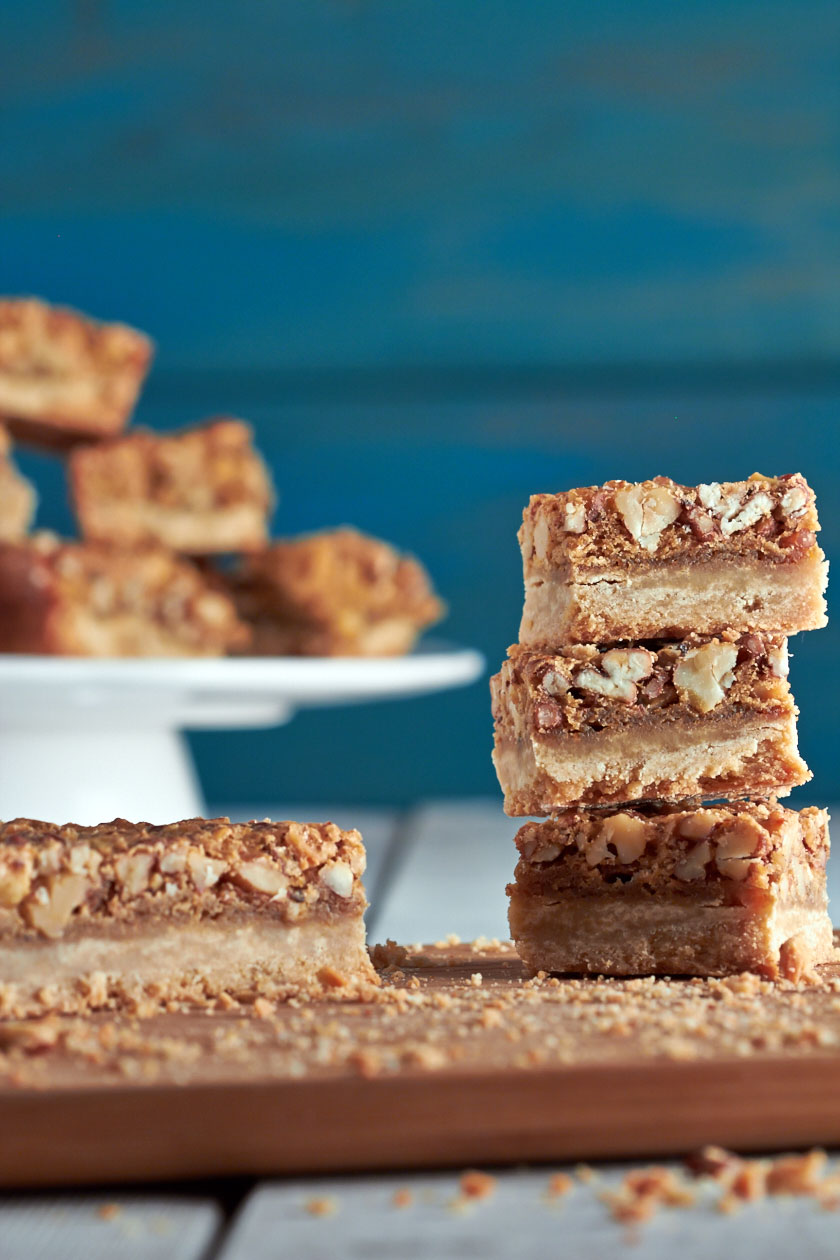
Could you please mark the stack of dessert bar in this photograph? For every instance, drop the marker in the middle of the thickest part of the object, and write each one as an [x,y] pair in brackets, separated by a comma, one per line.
[156,512]
[646,711]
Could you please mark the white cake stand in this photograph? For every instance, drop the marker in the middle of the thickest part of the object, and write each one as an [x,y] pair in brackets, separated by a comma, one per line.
[90,740]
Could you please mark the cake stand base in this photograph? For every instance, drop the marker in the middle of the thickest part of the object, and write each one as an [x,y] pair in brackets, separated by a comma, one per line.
[86,741]
[93,776]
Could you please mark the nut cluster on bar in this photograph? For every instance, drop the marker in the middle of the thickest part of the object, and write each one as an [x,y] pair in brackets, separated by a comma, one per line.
[651,676]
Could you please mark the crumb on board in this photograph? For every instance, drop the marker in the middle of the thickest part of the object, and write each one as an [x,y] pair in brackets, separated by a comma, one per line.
[559,1185]
[428,1014]
[321,1205]
[477,1185]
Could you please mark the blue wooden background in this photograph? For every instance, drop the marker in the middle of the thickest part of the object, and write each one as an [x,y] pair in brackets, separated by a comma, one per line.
[443,256]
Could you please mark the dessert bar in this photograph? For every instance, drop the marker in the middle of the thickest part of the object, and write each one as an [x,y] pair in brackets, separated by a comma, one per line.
[89,599]
[91,916]
[199,491]
[17,495]
[334,593]
[685,891]
[661,560]
[699,718]
[65,377]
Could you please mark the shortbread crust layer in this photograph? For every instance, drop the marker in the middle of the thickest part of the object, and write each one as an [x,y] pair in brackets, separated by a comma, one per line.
[170,962]
[673,599]
[677,891]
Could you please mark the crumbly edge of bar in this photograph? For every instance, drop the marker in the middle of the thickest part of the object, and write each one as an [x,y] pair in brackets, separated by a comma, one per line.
[43,581]
[56,881]
[17,495]
[583,688]
[743,848]
[216,459]
[655,521]
[87,346]
[337,580]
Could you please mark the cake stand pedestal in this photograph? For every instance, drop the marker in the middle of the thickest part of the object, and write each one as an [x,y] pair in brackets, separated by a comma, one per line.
[89,740]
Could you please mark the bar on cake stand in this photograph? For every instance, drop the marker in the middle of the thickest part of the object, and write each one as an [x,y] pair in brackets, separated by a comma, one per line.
[200,491]
[64,377]
[91,599]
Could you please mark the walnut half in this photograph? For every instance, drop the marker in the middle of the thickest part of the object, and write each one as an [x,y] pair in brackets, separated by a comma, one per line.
[646,510]
[705,674]
[620,670]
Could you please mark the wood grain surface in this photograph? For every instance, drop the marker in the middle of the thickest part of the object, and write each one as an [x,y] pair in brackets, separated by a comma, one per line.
[566,1070]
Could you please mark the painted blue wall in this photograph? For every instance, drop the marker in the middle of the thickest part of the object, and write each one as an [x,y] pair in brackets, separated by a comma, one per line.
[444,256]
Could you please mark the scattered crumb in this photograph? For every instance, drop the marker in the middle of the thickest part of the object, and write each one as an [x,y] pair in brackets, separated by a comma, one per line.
[108,1211]
[476,979]
[263,1009]
[331,979]
[585,1174]
[643,1191]
[477,1185]
[559,1184]
[796,1174]
[324,1206]
[390,955]
[403,1198]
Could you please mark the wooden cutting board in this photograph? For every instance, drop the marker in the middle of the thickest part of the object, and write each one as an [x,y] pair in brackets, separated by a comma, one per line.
[460,1062]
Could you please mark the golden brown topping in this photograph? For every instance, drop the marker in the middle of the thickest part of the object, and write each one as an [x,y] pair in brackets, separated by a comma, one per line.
[204,865]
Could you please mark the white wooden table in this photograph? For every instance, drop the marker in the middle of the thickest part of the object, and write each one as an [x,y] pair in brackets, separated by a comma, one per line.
[436,869]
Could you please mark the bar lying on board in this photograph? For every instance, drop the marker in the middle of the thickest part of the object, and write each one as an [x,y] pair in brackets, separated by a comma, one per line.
[661,560]
[677,891]
[200,491]
[699,718]
[122,912]
[64,377]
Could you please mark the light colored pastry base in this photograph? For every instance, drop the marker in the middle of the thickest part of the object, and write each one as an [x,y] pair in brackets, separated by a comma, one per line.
[17,503]
[79,632]
[611,935]
[171,961]
[240,527]
[64,409]
[699,757]
[390,636]
[673,600]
